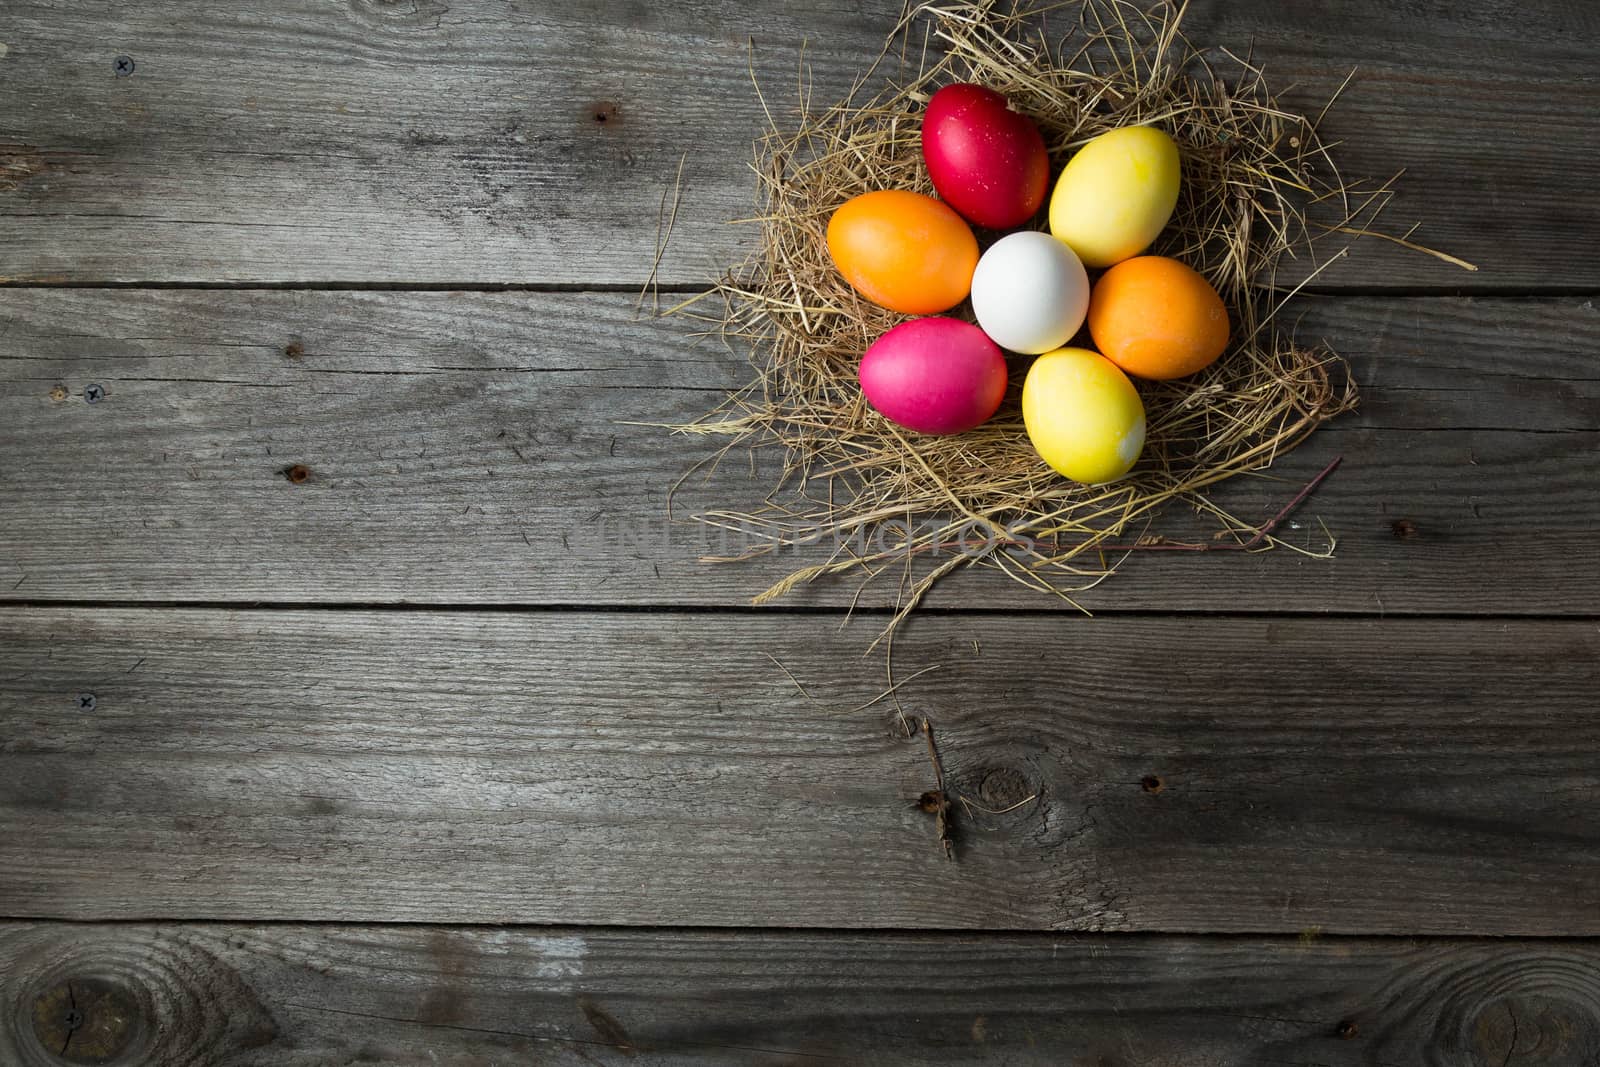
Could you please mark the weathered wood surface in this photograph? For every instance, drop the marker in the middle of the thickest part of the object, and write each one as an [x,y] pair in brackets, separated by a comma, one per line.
[476,447]
[480,142]
[296,996]
[1172,775]
[1362,776]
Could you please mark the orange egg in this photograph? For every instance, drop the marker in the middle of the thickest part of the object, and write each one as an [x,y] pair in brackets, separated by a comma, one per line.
[1157,318]
[902,250]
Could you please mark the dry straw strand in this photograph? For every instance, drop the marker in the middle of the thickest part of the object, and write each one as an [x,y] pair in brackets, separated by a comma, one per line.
[887,499]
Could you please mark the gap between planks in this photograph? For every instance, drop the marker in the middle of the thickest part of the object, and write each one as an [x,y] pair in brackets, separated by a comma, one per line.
[1023,609]
[886,933]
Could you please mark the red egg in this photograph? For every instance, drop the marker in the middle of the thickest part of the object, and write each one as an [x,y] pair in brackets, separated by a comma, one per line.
[934,375]
[987,161]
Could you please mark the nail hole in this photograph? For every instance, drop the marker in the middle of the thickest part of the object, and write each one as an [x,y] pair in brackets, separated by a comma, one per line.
[1347,1029]
[297,473]
[1404,529]
[58,393]
[1152,783]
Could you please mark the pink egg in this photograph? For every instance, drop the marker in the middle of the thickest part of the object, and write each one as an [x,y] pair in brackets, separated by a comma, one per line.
[934,375]
[987,161]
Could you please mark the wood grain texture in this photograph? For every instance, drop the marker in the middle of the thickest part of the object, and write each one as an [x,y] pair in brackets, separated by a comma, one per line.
[1361,776]
[296,996]
[495,448]
[478,141]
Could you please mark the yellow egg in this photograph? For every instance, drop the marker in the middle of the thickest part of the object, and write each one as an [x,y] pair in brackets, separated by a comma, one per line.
[1116,194]
[1083,415]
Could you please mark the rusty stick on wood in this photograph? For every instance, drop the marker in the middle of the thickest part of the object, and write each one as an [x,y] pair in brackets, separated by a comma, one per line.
[1151,544]
[1261,534]
[936,802]
[1310,487]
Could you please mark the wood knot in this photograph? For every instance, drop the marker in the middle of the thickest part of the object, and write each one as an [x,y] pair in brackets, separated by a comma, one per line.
[1152,783]
[1522,1005]
[294,349]
[1347,1029]
[605,113]
[1404,529]
[1551,1030]
[123,996]
[297,473]
[86,1020]
[1003,788]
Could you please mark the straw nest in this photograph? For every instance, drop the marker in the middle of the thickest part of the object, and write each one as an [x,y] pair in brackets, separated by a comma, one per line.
[912,508]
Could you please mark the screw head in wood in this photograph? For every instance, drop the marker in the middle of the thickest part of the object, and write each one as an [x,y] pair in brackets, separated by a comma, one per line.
[123,65]
[94,392]
[87,702]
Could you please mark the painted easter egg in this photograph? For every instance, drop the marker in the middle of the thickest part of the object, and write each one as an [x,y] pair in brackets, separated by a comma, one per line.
[1115,194]
[987,161]
[904,251]
[934,375]
[1083,415]
[1157,318]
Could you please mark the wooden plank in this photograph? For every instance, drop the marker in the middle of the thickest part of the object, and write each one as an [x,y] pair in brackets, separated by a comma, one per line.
[1247,775]
[292,996]
[480,447]
[489,143]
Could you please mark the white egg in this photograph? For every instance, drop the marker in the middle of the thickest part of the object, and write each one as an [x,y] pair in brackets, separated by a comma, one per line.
[1030,292]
